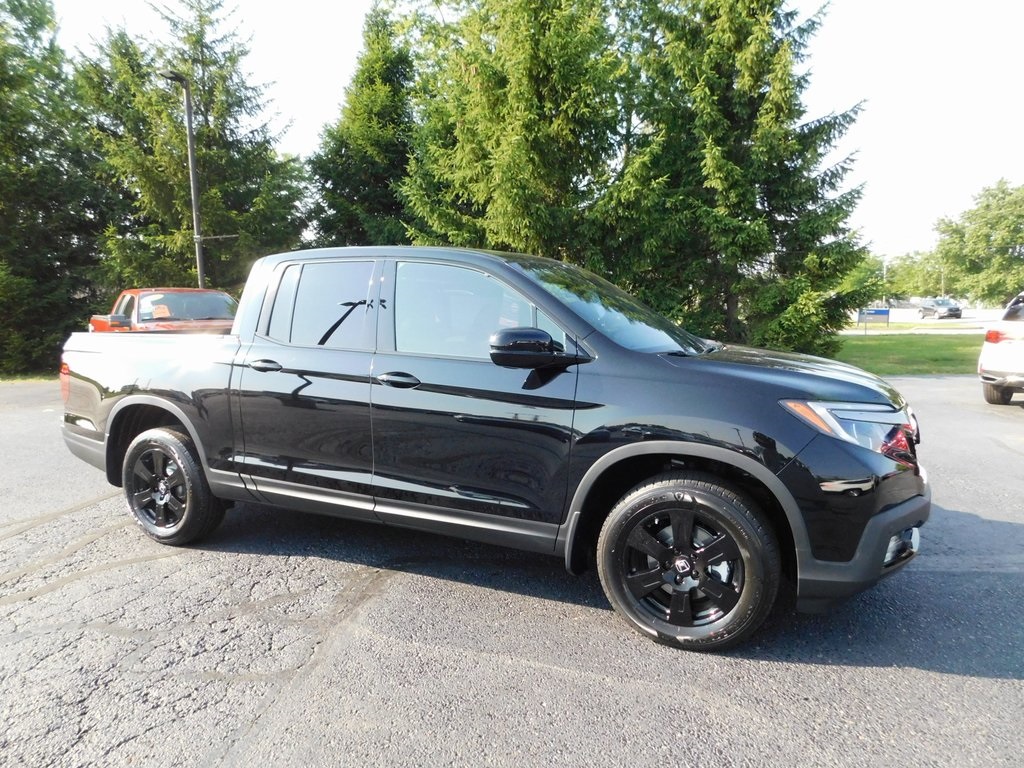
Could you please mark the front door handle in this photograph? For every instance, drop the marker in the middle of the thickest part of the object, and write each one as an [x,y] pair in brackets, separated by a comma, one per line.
[265,366]
[398,379]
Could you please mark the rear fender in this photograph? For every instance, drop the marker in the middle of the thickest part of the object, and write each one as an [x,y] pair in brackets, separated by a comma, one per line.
[135,414]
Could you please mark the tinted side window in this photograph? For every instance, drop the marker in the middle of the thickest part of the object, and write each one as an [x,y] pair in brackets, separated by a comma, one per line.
[452,311]
[284,305]
[327,308]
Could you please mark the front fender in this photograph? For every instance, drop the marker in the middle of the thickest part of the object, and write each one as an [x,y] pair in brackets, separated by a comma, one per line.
[568,531]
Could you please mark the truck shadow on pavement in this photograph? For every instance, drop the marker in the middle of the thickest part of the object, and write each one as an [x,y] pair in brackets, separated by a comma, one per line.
[957,609]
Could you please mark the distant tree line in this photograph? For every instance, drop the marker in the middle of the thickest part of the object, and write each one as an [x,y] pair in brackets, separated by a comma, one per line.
[662,143]
[979,256]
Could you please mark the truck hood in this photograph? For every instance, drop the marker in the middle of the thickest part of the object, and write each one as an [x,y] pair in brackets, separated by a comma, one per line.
[792,375]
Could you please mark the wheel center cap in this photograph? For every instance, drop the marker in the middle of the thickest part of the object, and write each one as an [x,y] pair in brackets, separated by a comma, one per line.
[162,488]
[682,565]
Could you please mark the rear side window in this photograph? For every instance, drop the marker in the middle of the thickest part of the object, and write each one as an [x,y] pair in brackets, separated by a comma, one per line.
[324,304]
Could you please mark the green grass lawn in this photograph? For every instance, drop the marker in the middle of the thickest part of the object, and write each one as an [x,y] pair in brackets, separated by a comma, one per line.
[926,325]
[912,353]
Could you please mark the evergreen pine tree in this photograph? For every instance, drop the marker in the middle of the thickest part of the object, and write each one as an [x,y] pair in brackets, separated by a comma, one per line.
[51,205]
[517,111]
[362,157]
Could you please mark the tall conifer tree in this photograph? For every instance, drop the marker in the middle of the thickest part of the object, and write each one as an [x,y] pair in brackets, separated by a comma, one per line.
[50,203]
[739,231]
[362,157]
[517,112]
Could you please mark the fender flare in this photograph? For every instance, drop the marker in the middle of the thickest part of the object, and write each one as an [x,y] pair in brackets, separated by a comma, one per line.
[165,405]
[567,531]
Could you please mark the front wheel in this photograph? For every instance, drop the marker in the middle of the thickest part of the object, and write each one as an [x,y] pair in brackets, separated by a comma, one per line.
[166,489]
[996,395]
[689,561]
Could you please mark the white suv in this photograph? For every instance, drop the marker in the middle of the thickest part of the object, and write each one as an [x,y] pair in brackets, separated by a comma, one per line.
[1001,364]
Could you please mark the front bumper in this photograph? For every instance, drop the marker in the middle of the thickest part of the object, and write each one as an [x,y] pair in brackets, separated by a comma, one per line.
[823,583]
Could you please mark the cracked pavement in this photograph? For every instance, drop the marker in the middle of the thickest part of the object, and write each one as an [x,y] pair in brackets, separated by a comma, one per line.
[289,639]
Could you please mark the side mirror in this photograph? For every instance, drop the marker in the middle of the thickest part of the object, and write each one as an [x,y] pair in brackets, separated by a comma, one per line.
[109,322]
[530,348]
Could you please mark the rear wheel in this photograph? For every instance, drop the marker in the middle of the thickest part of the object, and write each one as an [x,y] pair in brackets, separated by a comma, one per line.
[996,395]
[689,561]
[166,489]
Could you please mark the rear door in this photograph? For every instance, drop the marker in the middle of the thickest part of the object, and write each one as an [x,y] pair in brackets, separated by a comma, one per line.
[458,439]
[304,388]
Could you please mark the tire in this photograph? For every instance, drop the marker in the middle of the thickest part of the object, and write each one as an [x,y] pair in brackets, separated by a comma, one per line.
[996,395]
[711,592]
[166,490]
[920,313]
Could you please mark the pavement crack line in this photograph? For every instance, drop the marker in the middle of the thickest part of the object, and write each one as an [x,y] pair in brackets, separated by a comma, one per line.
[69,550]
[366,584]
[17,527]
[56,584]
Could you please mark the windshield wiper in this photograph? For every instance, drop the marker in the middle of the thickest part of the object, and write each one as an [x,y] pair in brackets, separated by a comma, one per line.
[708,347]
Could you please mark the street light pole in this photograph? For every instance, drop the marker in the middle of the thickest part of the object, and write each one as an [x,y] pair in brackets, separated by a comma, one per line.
[197,236]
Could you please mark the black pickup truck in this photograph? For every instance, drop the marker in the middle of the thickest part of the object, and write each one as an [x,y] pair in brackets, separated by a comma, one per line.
[519,401]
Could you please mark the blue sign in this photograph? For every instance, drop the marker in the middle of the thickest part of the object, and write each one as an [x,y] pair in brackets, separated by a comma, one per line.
[873,315]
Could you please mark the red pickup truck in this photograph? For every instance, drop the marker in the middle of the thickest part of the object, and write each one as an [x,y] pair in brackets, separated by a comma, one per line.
[169,309]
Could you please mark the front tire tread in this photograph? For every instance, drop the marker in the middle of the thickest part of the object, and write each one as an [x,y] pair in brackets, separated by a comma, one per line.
[722,507]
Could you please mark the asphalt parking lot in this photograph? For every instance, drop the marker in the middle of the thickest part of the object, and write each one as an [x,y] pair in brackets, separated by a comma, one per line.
[290,639]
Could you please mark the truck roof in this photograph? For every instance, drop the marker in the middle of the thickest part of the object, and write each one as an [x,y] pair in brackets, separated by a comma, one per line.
[412,252]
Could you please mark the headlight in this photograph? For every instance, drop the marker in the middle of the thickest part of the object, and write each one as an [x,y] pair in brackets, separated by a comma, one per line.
[878,428]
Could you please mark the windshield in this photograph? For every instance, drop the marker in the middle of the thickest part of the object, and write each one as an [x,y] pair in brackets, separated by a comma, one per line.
[611,310]
[159,307]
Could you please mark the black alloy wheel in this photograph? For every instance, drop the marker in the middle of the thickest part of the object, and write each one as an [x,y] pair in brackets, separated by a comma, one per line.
[688,561]
[166,490]
[159,491]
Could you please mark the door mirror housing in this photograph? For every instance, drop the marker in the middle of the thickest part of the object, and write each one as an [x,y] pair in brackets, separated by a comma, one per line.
[530,348]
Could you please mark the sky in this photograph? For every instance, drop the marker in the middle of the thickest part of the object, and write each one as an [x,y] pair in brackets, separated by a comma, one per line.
[938,81]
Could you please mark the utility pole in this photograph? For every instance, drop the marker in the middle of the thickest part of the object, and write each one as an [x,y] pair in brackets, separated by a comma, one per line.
[197,236]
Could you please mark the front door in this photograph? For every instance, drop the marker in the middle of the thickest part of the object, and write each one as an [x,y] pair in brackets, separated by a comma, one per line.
[456,437]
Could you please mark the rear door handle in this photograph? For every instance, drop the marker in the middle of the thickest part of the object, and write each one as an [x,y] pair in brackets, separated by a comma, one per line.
[398,379]
[265,366]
